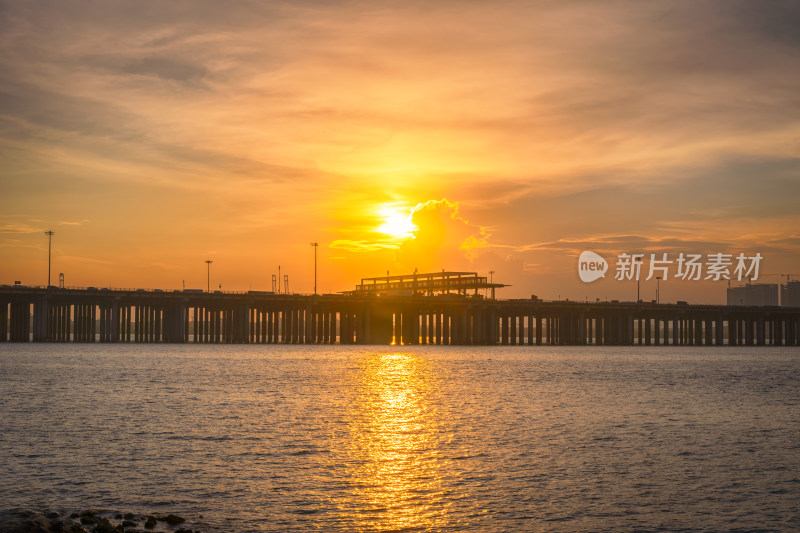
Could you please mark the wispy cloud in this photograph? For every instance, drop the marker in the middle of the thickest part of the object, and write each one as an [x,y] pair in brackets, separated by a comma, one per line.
[256,124]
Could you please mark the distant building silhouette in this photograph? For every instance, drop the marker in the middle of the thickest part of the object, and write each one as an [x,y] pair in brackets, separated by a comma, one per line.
[754,294]
[790,294]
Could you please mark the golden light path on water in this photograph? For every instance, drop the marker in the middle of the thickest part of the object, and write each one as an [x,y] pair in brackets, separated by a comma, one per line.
[397,471]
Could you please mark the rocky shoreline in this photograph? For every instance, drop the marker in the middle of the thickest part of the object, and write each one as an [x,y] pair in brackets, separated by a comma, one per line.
[91,521]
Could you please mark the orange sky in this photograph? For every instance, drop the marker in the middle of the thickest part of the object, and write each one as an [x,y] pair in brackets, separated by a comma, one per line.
[504,136]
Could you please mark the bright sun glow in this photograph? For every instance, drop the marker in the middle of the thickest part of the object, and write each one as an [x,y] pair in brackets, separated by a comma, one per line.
[396,222]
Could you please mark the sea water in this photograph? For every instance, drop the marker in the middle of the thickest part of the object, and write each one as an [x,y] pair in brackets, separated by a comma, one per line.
[399,438]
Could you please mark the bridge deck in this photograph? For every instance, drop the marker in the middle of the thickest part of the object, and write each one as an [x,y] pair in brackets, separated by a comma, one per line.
[101,315]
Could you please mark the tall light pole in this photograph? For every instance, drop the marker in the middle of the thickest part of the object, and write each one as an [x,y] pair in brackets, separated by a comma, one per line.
[208,275]
[315,245]
[638,277]
[658,289]
[49,234]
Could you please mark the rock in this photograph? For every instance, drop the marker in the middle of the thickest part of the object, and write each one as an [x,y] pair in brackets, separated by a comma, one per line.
[104,525]
[150,523]
[22,521]
[88,520]
[172,519]
[129,523]
[130,516]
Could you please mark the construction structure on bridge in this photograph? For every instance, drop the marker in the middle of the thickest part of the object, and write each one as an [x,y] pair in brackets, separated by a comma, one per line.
[428,284]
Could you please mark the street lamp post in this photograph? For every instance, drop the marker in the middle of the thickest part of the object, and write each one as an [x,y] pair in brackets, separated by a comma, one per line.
[638,278]
[208,275]
[49,234]
[315,245]
[658,289]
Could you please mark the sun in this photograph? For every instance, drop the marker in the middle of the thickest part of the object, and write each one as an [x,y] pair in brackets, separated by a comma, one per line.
[396,222]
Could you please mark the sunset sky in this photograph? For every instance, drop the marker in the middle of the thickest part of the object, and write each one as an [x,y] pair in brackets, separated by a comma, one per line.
[459,135]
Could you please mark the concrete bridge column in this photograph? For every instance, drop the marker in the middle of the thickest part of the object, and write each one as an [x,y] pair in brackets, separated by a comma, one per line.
[63,323]
[741,331]
[346,334]
[294,321]
[141,326]
[202,326]
[491,326]
[530,330]
[66,322]
[114,322]
[297,326]
[125,323]
[481,327]
[303,325]
[148,323]
[329,327]
[285,325]
[20,322]
[53,322]
[569,329]
[40,320]
[464,333]
[363,333]
[414,325]
[103,318]
[87,323]
[52,325]
[675,336]
[657,331]
[4,321]
[748,331]
[77,323]
[600,330]
[456,328]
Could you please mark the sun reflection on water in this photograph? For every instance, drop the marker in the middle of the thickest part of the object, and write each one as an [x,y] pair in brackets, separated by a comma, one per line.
[396,478]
